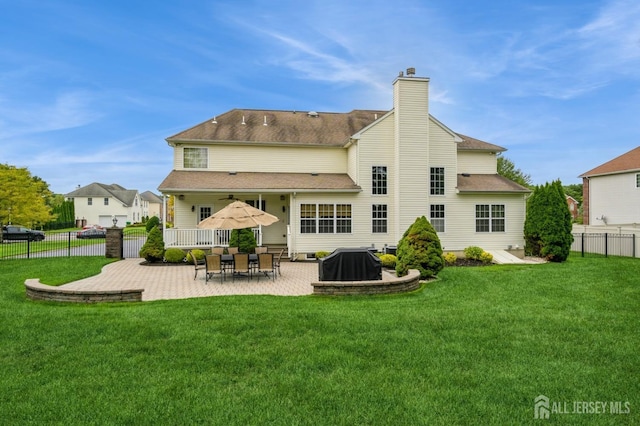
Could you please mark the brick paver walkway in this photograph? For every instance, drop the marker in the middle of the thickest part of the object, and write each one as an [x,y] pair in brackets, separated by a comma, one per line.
[176,282]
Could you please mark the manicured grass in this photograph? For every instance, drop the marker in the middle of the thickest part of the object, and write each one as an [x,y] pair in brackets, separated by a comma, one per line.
[475,347]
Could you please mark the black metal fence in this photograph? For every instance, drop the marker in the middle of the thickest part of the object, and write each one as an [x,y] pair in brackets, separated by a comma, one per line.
[67,244]
[607,244]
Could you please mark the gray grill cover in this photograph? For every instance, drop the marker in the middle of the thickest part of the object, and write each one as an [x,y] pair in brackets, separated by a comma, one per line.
[350,264]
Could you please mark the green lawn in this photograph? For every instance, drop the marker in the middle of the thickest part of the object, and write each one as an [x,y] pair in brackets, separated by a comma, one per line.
[475,347]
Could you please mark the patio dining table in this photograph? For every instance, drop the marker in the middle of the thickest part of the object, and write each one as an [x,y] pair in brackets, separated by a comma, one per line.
[227,261]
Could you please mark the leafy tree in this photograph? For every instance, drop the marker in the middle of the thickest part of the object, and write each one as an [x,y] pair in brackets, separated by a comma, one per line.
[153,248]
[23,198]
[547,228]
[574,190]
[420,249]
[243,239]
[508,169]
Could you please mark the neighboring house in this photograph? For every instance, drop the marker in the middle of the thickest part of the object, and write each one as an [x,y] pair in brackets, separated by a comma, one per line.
[574,206]
[346,179]
[152,205]
[611,191]
[98,203]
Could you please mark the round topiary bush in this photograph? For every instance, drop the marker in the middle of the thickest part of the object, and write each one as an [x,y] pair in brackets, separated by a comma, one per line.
[174,255]
[387,260]
[321,254]
[450,258]
[199,255]
[473,252]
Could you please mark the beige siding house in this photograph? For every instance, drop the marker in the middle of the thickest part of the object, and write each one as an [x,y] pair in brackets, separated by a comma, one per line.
[344,179]
[611,191]
[99,203]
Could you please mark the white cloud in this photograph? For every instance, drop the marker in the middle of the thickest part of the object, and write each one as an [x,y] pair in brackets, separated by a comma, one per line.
[68,110]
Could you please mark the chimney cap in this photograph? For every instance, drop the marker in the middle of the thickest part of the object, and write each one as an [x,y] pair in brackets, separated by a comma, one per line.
[411,72]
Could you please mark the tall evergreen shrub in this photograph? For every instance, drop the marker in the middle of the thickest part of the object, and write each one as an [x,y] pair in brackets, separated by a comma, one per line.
[420,249]
[243,239]
[153,248]
[547,228]
[153,221]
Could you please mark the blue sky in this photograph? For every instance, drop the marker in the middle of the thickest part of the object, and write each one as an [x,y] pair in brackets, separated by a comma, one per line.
[90,89]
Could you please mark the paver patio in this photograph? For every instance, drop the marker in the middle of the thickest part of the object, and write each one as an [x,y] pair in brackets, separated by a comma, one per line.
[176,282]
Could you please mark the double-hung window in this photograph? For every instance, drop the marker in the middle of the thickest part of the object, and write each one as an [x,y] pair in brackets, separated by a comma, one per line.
[194,158]
[379,180]
[437,217]
[89,201]
[379,218]
[490,218]
[436,181]
[325,218]
[106,201]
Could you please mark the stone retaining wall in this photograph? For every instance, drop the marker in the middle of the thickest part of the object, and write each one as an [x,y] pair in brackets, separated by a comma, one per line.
[388,285]
[38,291]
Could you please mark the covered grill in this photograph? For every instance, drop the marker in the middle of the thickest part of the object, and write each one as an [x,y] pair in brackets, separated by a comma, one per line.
[350,264]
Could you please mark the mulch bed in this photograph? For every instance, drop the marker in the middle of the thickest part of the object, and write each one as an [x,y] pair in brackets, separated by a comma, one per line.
[469,262]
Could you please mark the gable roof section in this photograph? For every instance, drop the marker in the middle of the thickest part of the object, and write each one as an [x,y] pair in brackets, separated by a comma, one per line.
[101,190]
[627,162]
[473,183]
[472,144]
[151,197]
[206,181]
[282,127]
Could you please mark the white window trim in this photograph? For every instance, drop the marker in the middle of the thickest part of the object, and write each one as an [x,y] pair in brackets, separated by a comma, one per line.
[444,181]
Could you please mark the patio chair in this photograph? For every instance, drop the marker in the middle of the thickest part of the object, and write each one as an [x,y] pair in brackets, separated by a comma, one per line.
[262,249]
[276,263]
[266,266]
[217,250]
[196,264]
[213,266]
[241,265]
[232,250]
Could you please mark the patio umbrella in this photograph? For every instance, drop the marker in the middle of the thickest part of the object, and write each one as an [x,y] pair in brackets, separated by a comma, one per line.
[237,215]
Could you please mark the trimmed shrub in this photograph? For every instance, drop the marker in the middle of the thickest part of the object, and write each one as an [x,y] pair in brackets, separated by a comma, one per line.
[420,249]
[174,255]
[387,260]
[153,248]
[450,258]
[243,239]
[199,255]
[321,254]
[153,221]
[486,257]
[473,252]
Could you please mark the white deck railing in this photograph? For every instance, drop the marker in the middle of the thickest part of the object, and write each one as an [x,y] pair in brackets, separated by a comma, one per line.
[205,238]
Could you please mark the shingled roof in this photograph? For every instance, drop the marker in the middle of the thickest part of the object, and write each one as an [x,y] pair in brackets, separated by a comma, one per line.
[207,181]
[475,183]
[627,162]
[101,190]
[472,144]
[279,127]
[294,127]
